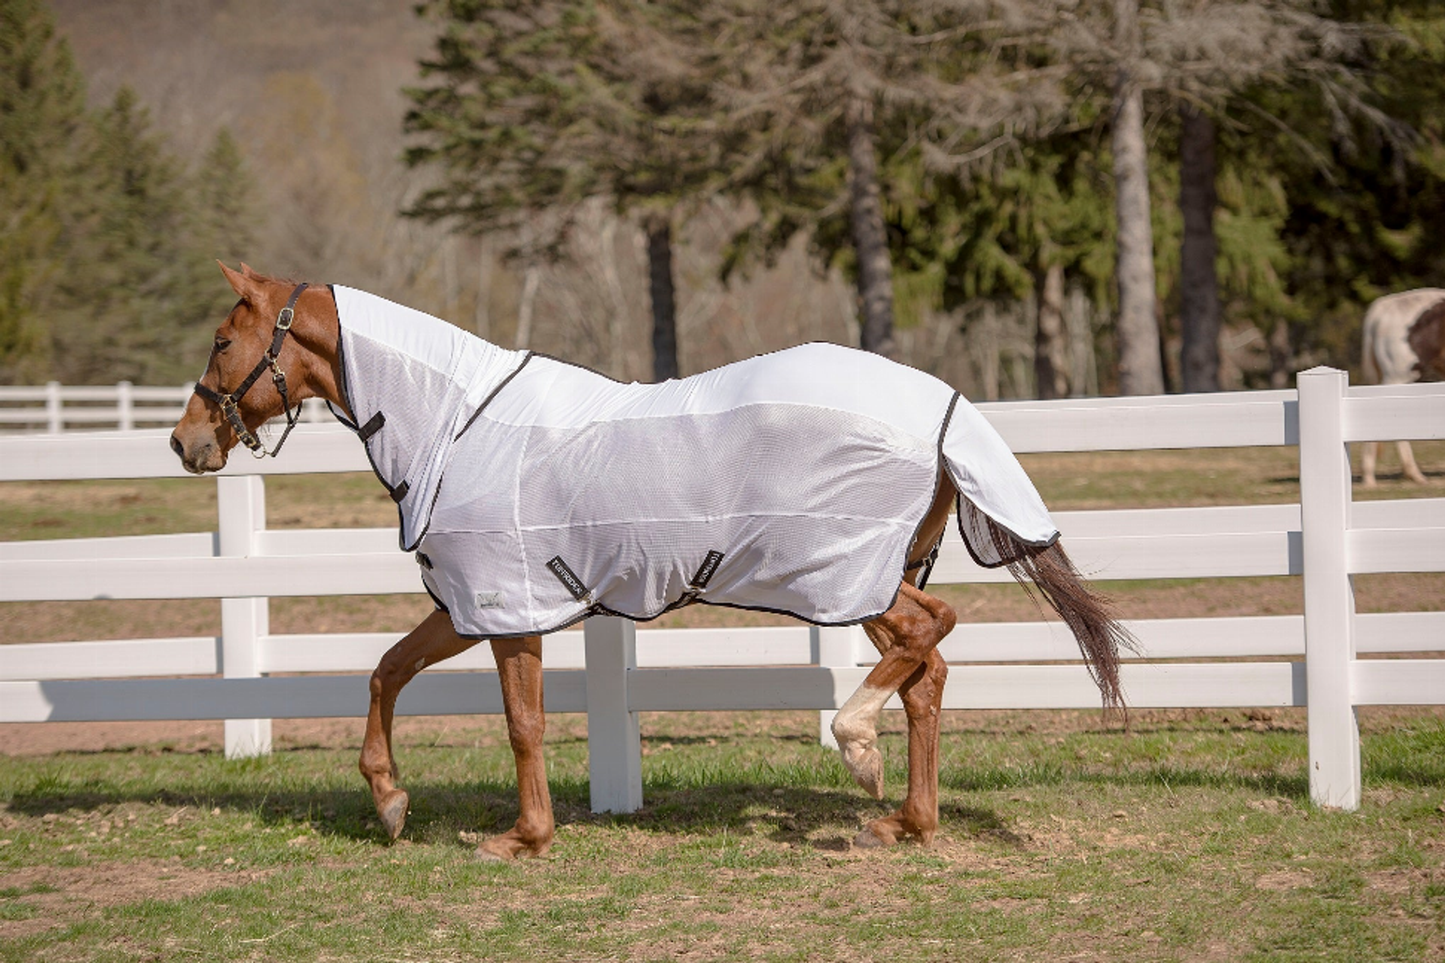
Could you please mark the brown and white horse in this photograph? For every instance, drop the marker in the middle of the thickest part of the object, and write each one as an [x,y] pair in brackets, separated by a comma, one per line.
[1389,359]
[1426,338]
[291,333]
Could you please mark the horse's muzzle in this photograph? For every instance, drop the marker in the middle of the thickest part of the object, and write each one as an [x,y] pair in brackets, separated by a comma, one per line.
[199,460]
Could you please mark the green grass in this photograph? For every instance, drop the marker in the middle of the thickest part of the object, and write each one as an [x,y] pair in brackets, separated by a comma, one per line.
[1193,841]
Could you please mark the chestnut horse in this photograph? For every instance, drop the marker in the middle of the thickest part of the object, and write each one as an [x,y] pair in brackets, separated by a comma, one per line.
[291,333]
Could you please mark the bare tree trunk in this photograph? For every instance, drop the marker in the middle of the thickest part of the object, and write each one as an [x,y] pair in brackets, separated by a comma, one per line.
[988,350]
[482,312]
[1140,372]
[870,240]
[526,305]
[1281,355]
[1083,369]
[1199,313]
[1049,357]
[664,304]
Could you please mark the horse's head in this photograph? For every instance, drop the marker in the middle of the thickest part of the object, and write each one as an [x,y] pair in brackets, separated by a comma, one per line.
[255,371]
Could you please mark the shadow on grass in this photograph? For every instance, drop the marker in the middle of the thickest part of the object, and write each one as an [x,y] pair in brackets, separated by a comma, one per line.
[441,810]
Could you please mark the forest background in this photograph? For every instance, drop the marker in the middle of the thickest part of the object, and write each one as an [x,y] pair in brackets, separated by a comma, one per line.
[660,188]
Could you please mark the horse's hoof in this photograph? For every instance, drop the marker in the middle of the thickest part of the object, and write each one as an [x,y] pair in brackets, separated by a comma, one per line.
[866,765]
[392,811]
[866,840]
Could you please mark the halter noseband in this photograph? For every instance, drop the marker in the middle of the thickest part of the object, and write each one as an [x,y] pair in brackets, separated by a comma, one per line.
[229,401]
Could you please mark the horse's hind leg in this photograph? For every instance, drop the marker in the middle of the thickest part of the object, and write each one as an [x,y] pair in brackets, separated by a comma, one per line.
[519,666]
[1407,462]
[906,636]
[922,698]
[429,643]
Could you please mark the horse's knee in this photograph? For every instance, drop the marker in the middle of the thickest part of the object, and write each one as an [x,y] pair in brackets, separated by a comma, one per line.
[525,731]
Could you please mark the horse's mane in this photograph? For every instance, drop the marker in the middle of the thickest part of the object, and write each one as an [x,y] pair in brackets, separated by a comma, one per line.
[273,279]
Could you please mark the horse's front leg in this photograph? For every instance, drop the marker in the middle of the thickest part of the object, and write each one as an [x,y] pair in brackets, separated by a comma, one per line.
[519,668]
[429,643]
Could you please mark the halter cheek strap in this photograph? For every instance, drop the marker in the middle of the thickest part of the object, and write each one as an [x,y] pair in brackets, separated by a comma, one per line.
[230,401]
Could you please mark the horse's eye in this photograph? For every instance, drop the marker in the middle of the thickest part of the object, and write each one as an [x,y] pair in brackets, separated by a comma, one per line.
[222,344]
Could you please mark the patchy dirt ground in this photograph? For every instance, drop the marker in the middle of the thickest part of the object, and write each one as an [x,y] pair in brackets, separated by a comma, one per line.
[66,894]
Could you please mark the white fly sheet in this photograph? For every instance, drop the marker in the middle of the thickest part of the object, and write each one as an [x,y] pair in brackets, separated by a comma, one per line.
[537,492]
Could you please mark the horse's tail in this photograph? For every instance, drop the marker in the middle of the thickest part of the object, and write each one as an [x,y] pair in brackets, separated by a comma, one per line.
[1088,614]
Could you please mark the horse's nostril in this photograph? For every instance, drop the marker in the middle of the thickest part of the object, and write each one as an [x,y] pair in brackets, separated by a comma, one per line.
[177,447]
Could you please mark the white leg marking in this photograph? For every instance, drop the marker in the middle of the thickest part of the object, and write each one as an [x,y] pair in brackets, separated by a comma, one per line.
[856,729]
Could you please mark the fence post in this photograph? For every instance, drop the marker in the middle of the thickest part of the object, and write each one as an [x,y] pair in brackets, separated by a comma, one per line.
[834,646]
[241,505]
[1334,734]
[125,406]
[54,417]
[614,741]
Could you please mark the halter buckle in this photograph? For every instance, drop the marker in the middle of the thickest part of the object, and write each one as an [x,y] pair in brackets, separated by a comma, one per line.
[283,320]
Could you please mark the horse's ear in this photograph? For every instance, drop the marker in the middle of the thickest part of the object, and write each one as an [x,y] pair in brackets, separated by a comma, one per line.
[244,284]
[247,270]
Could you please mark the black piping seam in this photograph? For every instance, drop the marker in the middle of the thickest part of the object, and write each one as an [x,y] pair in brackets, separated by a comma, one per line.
[346,395]
[340,363]
[488,399]
[1022,541]
[604,610]
[441,606]
[437,488]
[937,484]
[574,364]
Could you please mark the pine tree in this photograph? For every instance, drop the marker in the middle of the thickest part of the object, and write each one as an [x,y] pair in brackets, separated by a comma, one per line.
[535,110]
[122,310]
[42,129]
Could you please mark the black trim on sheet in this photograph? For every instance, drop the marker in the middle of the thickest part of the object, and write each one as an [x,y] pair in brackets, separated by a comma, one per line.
[604,610]
[488,399]
[441,606]
[403,488]
[351,423]
[926,562]
[341,364]
[958,509]
[577,364]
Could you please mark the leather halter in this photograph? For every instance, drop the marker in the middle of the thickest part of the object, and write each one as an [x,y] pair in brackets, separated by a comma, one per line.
[229,401]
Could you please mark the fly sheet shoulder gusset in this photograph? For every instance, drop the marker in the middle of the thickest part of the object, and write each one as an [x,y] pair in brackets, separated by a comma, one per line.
[538,492]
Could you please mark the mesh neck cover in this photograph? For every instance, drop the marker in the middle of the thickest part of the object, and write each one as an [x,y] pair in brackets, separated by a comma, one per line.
[539,492]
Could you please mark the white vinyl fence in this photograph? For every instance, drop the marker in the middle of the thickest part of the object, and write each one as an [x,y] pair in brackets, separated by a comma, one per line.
[54,408]
[1329,659]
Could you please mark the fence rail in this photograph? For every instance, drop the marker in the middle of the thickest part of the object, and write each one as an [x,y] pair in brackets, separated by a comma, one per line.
[1311,660]
[54,408]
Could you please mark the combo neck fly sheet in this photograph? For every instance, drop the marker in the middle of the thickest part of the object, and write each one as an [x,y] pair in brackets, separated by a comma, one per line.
[539,492]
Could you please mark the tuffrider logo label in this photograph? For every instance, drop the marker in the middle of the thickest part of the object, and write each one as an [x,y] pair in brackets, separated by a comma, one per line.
[709,566]
[568,578]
